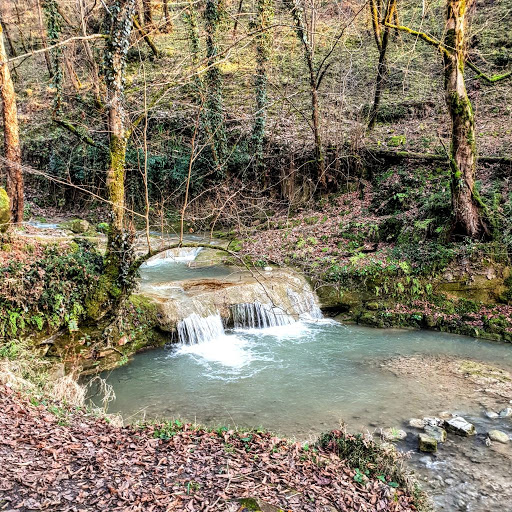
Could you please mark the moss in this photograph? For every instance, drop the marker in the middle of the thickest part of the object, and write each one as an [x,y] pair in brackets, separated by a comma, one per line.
[397,140]
[5,212]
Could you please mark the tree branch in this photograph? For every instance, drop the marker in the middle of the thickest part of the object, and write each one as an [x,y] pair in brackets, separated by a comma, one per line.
[422,35]
[61,43]
[487,78]
[74,130]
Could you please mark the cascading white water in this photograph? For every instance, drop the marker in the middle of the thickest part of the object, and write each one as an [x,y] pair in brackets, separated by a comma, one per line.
[304,304]
[196,329]
[178,255]
[255,315]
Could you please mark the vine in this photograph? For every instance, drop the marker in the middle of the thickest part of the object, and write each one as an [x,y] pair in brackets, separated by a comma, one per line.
[263,51]
[54,29]
[214,112]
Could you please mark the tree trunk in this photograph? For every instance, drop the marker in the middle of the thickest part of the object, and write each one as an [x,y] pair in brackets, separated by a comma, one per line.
[115,281]
[382,40]
[302,33]
[167,16]
[12,148]
[214,100]
[42,33]
[263,49]
[467,206]
[147,13]
[319,152]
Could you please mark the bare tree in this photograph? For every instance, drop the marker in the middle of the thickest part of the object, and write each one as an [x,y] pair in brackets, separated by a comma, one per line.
[12,148]
[386,14]
[470,213]
[315,75]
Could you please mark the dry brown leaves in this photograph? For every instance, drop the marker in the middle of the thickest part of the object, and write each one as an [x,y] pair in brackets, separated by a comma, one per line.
[70,461]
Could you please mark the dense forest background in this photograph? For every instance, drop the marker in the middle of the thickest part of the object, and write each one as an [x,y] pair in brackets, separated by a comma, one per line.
[241,74]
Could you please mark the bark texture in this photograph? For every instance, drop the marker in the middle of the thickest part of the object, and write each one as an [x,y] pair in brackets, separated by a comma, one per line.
[469,211]
[12,150]
[116,279]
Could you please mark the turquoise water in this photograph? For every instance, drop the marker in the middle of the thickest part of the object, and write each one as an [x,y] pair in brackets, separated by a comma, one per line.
[298,379]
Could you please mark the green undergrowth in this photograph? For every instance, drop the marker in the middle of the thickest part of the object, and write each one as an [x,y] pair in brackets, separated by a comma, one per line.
[43,288]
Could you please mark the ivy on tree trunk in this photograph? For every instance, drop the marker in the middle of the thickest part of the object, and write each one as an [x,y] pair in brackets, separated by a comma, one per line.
[468,208]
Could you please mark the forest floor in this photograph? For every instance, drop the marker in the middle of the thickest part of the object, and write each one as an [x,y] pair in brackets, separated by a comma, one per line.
[58,458]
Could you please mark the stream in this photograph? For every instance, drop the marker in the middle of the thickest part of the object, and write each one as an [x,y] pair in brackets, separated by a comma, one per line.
[302,375]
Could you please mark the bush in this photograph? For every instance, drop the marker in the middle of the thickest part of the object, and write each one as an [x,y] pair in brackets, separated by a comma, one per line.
[49,290]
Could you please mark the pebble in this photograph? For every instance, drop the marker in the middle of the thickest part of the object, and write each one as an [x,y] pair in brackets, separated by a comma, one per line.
[498,436]
[491,415]
[416,423]
[433,422]
[267,269]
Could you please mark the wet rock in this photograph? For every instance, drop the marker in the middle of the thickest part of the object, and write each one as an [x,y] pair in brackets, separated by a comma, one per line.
[79,226]
[506,413]
[393,434]
[438,433]
[498,436]
[5,211]
[433,422]
[460,426]
[416,423]
[491,415]
[427,444]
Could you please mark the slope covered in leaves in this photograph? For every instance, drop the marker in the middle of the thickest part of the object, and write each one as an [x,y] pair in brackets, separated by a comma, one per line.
[55,458]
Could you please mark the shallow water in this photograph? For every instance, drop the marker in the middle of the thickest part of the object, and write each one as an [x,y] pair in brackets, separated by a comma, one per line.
[297,379]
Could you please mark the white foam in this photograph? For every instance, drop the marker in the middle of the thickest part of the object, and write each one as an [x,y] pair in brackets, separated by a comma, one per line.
[228,350]
[178,255]
[294,330]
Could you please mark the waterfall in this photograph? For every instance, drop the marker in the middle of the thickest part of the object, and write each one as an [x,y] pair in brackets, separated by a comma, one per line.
[196,329]
[178,255]
[255,315]
[304,304]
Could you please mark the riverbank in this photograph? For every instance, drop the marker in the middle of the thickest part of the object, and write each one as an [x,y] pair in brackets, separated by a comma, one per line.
[57,458]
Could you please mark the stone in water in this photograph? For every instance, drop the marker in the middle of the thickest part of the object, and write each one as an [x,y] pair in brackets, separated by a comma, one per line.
[427,444]
[460,426]
[438,433]
[498,436]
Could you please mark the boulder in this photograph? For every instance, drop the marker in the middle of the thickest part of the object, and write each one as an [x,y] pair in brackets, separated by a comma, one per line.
[393,434]
[79,226]
[5,211]
[427,444]
[498,436]
[438,433]
[460,426]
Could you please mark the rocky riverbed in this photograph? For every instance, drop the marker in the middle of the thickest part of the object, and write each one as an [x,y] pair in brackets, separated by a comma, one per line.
[466,472]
